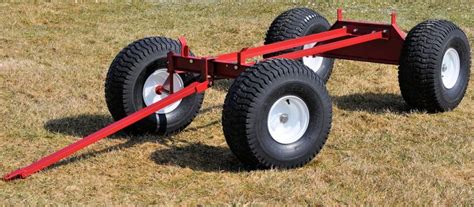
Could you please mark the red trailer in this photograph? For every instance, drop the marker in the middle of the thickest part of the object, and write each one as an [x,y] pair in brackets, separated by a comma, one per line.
[277,113]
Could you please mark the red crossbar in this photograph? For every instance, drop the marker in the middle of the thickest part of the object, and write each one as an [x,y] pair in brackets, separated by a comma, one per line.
[332,46]
[193,88]
[279,46]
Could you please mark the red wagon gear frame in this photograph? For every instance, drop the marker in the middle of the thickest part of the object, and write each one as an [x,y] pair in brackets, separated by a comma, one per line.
[353,40]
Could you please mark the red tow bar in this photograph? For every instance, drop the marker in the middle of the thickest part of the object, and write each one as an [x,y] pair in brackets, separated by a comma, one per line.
[193,88]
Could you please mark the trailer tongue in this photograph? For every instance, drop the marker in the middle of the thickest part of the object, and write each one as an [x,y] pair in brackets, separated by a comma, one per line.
[104,132]
[277,112]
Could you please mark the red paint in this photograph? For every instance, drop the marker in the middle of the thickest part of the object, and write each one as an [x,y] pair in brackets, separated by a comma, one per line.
[184,47]
[386,50]
[320,49]
[339,14]
[288,44]
[111,129]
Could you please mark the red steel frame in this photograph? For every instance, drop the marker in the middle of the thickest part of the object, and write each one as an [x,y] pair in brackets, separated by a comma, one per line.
[353,40]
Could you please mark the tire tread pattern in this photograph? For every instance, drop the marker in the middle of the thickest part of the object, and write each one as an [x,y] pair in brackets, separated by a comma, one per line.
[239,103]
[418,64]
[120,75]
[291,24]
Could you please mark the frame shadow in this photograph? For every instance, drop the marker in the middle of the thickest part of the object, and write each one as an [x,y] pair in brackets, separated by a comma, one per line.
[376,103]
[195,155]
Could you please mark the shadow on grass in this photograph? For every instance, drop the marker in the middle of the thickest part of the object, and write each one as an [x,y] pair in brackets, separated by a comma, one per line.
[372,103]
[86,124]
[80,126]
[200,157]
[223,85]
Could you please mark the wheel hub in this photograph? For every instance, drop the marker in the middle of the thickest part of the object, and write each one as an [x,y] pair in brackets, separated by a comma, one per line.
[444,68]
[313,62]
[450,68]
[155,89]
[159,89]
[283,118]
[288,119]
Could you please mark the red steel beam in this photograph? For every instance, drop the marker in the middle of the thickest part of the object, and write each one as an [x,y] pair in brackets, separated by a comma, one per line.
[283,45]
[227,69]
[193,88]
[332,46]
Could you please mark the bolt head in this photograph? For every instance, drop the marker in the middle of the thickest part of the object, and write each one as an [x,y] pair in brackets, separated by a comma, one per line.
[283,118]
[191,60]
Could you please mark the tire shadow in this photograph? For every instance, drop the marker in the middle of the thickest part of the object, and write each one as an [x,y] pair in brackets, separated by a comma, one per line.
[200,157]
[80,125]
[373,103]
[223,85]
[85,124]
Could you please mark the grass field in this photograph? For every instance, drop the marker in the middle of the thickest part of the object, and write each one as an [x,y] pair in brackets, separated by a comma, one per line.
[53,61]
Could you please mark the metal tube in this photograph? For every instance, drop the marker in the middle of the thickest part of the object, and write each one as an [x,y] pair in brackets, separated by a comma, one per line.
[288,44]
[332,46]
[104,132]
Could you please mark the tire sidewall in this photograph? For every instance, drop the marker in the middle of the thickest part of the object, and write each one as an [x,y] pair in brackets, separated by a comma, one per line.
[311,139]
[317,26]
[295,23]
[450,97]
[160,123]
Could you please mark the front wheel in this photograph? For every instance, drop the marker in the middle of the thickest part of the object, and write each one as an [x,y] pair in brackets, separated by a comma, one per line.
[132,82]
[277,114]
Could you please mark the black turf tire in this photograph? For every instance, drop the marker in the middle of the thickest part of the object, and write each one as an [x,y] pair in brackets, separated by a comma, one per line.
[247,105]
[420,67]
[299,22]
[124,86]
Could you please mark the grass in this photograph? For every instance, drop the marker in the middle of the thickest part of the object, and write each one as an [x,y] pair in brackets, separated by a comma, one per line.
[53,61]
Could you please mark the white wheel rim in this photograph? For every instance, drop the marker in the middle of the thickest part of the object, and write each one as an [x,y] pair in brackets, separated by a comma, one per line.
[288,119]
[450,68]
[158,78]
[314,63]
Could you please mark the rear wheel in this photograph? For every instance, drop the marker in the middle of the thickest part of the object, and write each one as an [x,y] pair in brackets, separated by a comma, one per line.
[435,66]
[277,114]
[132,82]
[300,22]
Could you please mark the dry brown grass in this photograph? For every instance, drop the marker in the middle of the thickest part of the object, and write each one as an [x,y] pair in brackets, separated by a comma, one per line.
[53,60]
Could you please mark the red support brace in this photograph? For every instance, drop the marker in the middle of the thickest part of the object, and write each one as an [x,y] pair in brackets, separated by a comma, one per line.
[339,14]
